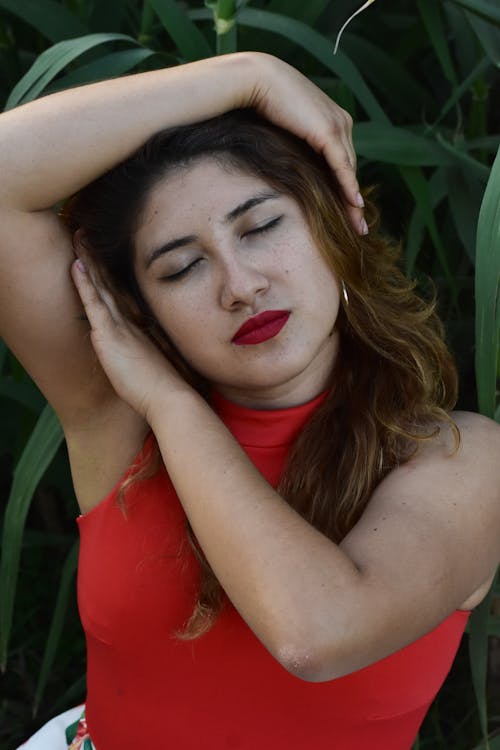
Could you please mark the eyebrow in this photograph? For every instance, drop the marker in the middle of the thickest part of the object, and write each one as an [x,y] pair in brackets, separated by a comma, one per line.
[255,200]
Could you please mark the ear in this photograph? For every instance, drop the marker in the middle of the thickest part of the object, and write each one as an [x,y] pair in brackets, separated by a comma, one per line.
[79,242]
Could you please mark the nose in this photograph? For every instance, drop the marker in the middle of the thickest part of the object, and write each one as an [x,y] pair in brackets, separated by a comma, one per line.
[241,283]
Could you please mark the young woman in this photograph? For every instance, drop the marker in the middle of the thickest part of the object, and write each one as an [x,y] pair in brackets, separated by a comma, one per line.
[280,517]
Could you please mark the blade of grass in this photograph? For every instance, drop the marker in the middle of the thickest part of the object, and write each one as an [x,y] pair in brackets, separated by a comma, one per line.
[189,40]
[54,635]
[53,20]
[487,291]
[36,457]
[224,14]
[52,61]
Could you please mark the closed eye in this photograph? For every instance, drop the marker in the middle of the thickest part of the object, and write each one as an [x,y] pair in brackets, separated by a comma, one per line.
[265,227]
[180,274]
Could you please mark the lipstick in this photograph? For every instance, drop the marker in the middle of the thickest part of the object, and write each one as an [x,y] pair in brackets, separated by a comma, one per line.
[261,327]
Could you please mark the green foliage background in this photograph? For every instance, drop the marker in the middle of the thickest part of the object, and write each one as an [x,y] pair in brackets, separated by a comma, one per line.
[422,82]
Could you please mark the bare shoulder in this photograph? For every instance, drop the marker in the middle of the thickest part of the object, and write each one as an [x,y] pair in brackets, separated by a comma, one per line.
[436,518]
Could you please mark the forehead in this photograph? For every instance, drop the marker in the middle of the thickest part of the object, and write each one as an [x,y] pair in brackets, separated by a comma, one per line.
[191,197]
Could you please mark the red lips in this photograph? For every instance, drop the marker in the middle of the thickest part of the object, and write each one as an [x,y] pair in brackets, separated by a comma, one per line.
[261,327]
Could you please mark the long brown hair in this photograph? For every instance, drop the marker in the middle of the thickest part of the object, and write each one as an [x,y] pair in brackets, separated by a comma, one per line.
[394,380]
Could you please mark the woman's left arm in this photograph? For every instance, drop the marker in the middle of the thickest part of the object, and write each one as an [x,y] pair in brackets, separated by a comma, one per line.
[428,539]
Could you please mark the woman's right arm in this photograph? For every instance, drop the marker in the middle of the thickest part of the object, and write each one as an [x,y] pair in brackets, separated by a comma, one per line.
[54,146]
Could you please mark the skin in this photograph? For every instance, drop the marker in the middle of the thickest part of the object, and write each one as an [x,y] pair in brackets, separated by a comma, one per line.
[410,561]
[234,276]
[412,558]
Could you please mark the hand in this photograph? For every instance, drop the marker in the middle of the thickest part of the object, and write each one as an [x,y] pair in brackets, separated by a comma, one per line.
[138,371]
[287,98]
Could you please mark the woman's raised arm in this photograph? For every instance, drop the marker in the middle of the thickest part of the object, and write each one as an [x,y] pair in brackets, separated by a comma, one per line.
[54,146]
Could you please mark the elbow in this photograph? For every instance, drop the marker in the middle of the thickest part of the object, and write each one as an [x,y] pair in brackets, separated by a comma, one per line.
[304,662]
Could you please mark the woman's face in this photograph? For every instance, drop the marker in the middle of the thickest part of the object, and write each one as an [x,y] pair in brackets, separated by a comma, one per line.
[217,247]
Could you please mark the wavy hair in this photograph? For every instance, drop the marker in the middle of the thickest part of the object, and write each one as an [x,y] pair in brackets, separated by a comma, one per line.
[394,378]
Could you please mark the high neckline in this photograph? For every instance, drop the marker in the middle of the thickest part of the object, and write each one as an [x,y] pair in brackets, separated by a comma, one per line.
[262,427]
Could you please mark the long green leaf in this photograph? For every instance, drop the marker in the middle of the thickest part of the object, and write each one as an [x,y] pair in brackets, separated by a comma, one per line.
[478,655]
[188,38]
[462,89]
[387,143]
[488,36]
[486,291]
[419,188]
[52,61]
[64,592]
[36,457]
[322,49]
[431,16]
[317,45]
[307,12]
[488,9]
[53,20]
[415,233]
[107,66]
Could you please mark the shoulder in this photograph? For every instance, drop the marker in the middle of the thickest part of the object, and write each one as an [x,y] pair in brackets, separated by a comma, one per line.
[436,518]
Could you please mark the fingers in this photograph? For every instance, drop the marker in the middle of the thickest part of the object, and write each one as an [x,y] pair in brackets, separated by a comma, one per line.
[100,307]
[339,153]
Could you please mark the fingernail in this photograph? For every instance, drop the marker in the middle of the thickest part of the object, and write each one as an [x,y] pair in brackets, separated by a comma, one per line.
[364,226]
[359,200]
[80,265]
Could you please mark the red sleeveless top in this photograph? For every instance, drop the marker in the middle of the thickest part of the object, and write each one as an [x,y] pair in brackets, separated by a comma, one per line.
[137,584]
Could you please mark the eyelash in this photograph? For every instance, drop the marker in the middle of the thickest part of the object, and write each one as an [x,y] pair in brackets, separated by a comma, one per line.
[258,230]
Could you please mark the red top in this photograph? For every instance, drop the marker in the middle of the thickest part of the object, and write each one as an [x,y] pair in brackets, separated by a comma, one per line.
[137,584]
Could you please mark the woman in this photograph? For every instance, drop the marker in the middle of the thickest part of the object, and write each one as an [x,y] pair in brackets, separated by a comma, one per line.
[244,325]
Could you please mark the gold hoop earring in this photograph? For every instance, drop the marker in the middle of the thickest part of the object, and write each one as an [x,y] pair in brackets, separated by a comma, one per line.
[344,291]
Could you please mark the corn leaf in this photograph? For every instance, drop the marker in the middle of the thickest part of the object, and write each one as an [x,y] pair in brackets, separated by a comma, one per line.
[53,20]
[487,291]
[189,40]
[52,61]
[36,457]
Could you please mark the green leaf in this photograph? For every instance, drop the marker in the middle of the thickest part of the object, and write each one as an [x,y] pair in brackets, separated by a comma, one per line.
[189,40]
[307,12]
[107,66]
[387,143]
[478,655]
[464,195]
[488,37]
[52,642]
[383,71]
[53,20]
[462,89]
[433,22]
[484,8]
[486,292]
[415,233]
[108,15]
[36,457]
[52,61]
[419,188]
[319,47]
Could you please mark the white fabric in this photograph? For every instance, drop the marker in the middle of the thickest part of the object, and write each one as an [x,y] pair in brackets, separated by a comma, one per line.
[52,736]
